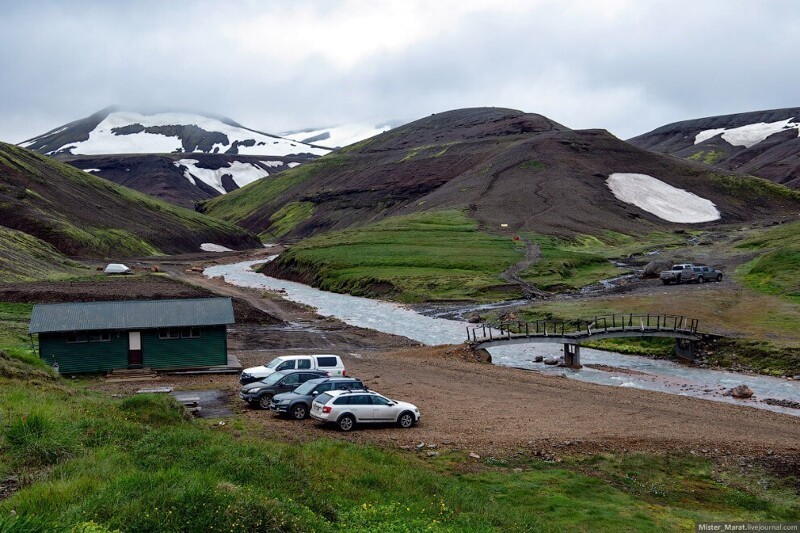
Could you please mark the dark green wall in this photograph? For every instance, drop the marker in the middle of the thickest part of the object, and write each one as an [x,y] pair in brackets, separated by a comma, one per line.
[210,349]
[207,350]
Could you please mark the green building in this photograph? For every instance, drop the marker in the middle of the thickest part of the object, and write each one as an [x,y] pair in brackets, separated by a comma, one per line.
[80,337]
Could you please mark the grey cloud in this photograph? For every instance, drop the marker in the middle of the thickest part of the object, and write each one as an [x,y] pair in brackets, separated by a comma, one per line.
[649,64]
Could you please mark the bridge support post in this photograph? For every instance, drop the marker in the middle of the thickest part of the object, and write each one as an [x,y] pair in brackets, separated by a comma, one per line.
[686,349]
[572,355]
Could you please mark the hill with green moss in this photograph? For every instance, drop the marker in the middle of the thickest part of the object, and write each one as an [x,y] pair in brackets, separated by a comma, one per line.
[81,215]
[507,169]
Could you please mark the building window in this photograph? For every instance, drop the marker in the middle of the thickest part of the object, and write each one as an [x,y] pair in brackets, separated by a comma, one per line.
[190,333]
[100,336]
[77,336]
[169,333]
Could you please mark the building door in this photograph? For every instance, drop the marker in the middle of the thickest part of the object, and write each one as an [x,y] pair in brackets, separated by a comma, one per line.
[134,349]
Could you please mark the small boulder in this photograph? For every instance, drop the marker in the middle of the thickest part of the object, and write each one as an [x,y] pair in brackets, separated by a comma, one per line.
[552,361]
[538,359]
[474,455]
[155,268]
[740,391]
[654,268]
[474,319]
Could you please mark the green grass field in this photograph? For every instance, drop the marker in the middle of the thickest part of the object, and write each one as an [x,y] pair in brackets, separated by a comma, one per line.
[422,257]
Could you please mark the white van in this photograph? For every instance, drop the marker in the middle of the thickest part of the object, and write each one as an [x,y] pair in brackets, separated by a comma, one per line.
[332,364]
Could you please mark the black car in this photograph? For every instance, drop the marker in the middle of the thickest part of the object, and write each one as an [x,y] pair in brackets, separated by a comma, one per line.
[260,393]
[297,403]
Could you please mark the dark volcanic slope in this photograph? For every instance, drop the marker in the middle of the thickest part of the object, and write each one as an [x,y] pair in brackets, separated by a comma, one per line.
[504,166]
[774,155]
[80,214]
[164,177]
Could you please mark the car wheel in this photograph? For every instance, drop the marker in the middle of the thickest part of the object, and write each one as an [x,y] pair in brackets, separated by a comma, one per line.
[678,280]
[346,422]
[665,281]
[299,411]
[700,280]
[264,401]
[405,420]
[719,277]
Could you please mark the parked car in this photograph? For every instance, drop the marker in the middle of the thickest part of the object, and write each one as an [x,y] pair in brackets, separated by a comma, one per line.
[297,404]
[701,274]
[330,363]
[675,274]
[687,273]
[348,408]
[260,393]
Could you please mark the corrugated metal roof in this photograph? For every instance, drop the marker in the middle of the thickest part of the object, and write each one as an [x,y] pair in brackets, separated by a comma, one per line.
[130,314]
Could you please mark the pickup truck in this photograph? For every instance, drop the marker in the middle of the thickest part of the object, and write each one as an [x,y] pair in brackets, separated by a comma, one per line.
[687,272]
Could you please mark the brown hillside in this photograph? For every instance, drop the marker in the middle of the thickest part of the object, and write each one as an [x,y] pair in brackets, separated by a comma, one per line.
[504,166]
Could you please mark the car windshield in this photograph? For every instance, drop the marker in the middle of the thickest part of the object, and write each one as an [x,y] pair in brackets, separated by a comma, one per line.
[307,387]
[274,363]
[272,379]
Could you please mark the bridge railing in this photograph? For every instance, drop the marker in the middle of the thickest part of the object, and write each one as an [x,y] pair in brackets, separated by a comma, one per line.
[588,327]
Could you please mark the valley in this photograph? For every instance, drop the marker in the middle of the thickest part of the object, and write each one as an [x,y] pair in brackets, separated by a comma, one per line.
[488,213]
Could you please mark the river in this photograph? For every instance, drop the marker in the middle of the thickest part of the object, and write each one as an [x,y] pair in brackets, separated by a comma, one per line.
[635,371]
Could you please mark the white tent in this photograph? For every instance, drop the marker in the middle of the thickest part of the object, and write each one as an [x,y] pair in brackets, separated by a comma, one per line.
[117,268]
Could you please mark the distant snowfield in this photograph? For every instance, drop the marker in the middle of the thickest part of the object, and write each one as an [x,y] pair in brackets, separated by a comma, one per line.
[211,247]
[242,173]
[103,141]
[750,134]
[339,136]
[662,199]
[91,170]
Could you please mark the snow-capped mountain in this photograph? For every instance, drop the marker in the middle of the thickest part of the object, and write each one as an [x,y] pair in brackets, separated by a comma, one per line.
[762,143]
[177,156]
[340,136]
[113,131]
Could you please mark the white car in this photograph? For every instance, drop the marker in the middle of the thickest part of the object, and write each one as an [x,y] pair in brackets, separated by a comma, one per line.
[332,364]
[347,408]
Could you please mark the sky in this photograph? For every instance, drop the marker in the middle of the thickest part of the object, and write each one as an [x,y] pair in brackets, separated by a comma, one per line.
[627,66]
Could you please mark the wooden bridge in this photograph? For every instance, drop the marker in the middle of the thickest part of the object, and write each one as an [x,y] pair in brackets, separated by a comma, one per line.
[571,333]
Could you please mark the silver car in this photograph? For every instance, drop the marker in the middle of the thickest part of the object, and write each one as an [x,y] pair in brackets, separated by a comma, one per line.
[348,408]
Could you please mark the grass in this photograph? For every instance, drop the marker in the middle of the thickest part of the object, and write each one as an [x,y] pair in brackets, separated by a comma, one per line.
[23,257]
[569,264]
[427,256]
[287,218]
[242,203]
[87,233]
[710,157]
[777,269]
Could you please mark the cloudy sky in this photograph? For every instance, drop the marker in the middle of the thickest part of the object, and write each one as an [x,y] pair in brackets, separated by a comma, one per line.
[626,66]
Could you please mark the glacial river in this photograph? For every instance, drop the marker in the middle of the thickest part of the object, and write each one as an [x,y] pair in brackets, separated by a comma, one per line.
[637,372]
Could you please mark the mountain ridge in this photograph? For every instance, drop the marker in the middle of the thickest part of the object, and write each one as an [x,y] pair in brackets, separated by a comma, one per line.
[764,143]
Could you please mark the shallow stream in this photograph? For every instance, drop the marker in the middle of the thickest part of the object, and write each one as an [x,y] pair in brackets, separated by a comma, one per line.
[631,371]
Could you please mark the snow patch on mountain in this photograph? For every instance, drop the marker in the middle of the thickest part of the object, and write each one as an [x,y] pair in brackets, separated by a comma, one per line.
[241,173]
[338,136]
[749,134]
[123,132]
[211,247]
[662,199]
[91,170]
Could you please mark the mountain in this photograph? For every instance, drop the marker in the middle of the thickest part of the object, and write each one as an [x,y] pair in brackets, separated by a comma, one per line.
[79,214]
[508,169]
[762,143]
[340,136]
[178,157]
